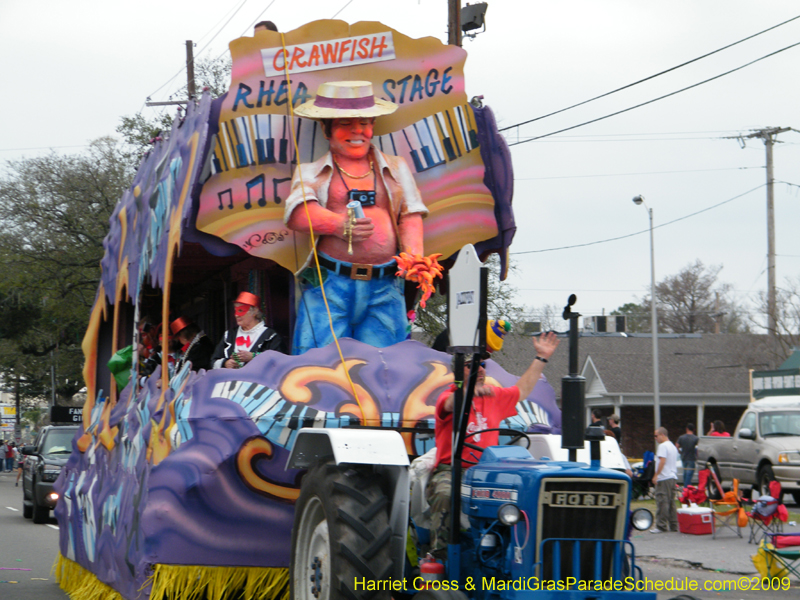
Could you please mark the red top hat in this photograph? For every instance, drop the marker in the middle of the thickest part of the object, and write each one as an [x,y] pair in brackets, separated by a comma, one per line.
[248,298]
[179,325]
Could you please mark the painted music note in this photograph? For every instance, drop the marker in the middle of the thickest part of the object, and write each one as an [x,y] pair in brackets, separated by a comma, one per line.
[256,181]
[222,195]
[275,183]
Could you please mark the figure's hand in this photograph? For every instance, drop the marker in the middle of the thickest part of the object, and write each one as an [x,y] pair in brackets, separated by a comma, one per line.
[230,364]
[422,270]
[362,229]
[244,356]
[545,345]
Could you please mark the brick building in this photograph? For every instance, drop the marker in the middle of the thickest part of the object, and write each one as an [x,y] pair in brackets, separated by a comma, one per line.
[701,378]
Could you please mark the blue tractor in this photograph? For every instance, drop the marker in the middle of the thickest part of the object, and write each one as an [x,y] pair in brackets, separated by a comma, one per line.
[537,528]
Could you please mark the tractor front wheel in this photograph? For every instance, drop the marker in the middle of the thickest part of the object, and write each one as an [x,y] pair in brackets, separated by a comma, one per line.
[341,535]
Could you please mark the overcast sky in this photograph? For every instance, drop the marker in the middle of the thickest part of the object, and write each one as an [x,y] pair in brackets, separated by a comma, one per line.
[71,69]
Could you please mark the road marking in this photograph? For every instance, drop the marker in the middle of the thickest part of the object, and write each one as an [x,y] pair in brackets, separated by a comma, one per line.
[53,526]
[11,508]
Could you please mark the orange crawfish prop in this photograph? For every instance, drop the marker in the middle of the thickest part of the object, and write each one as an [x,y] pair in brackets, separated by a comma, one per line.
[422,270]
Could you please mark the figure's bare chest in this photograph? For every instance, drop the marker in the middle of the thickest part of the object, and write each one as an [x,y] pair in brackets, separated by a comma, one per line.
[339,192]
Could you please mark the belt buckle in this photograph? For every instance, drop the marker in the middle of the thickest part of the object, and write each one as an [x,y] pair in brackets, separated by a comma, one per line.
[361,272]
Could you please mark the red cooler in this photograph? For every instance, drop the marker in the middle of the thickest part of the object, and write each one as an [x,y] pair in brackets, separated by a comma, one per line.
[696,520]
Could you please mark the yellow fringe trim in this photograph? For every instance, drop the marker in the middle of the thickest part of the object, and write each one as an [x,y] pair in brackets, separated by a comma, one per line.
[174,582]
[184,582]
[80,584]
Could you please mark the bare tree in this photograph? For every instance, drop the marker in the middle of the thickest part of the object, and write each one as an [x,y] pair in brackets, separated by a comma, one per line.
[787,319]
[692,301]
[500,303]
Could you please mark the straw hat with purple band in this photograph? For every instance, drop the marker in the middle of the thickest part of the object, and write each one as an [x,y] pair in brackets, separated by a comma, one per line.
[345,100]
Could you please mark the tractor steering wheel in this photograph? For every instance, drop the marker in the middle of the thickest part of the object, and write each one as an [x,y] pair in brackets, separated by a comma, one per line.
[515,434]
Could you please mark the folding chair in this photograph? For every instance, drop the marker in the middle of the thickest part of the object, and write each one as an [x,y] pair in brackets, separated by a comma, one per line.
[768,514]
[643,481]
[783,552]
[726,511]
[696,494]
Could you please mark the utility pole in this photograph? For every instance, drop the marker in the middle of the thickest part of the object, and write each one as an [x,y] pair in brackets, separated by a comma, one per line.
[768,135]
[454,22]
[190,69]
[190,85]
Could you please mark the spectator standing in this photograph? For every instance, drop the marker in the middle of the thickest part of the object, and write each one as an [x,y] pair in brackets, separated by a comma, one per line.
[597,418]
[11,452]
[19,458]
[718,429]
[665,478]
[3,447]
[613,426]
[687,444]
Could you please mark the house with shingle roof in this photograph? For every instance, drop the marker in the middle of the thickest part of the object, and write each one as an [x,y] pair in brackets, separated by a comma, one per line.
[702,377]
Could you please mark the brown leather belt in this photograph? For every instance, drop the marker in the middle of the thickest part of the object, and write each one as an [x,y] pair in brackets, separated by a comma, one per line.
[358,271]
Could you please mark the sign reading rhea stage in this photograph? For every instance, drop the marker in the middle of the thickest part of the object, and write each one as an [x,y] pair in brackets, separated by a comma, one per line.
[254,154]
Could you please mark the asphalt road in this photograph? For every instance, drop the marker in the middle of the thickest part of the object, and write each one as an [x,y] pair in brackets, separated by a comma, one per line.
[27,551]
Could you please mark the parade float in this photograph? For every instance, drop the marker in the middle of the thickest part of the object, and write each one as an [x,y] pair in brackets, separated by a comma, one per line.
[177,485]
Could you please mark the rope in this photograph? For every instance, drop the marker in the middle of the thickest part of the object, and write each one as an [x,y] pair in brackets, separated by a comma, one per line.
[311,232]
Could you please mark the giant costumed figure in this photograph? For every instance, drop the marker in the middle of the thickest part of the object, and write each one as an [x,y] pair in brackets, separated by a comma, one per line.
[364,206]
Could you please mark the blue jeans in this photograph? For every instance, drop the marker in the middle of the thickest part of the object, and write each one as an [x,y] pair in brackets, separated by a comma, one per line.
[10,464]
[688,471]
[371,311]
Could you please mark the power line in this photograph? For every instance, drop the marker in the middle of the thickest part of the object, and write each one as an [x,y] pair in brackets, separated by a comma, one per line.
[651,76]
[341,9]
[641,173]
[165,84]
[622,237]
[624,110]
[582,140]
[215,24]
[43,148]
[246,29]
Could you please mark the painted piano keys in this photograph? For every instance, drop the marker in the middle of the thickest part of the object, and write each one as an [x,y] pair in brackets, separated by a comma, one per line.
[267,140]
[279,420]
[435,140]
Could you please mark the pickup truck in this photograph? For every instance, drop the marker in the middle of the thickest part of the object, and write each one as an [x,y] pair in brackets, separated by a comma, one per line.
[765,446]
[41,467]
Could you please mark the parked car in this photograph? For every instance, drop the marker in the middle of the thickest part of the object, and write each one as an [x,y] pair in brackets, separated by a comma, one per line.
[765,446]
[42,466]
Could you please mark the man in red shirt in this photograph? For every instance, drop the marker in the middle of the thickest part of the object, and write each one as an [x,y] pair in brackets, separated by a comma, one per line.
[490,406]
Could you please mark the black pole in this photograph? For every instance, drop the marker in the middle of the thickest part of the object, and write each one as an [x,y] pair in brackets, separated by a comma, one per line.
[461,410]
[573,390]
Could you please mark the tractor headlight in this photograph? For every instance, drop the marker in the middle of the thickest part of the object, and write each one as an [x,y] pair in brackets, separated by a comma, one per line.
[641,519]
[509,514]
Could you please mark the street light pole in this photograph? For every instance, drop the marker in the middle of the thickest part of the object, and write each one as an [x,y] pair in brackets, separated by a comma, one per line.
[653,317]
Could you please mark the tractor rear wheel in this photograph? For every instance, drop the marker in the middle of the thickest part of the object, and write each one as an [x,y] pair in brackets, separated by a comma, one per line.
[341,535]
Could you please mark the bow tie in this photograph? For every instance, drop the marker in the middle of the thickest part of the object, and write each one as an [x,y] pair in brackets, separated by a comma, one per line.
[243,341]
